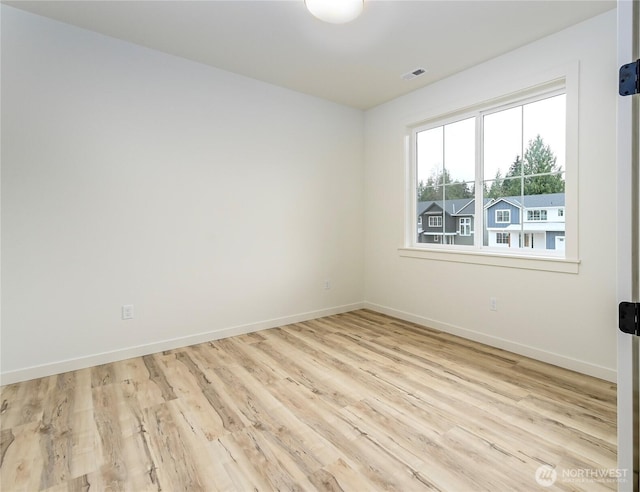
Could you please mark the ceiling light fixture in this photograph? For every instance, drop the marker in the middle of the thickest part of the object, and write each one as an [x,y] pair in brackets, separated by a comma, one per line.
[335,11]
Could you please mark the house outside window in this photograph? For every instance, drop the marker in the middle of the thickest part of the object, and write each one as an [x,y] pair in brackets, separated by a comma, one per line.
[510,153]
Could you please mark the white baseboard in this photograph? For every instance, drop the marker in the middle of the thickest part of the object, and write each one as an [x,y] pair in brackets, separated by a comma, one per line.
[497,342]
[175,343]
[43,370]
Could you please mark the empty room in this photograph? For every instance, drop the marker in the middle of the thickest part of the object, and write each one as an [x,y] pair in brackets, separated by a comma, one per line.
[319,245]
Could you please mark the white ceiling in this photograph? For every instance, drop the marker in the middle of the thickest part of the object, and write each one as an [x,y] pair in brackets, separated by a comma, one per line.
[358,64]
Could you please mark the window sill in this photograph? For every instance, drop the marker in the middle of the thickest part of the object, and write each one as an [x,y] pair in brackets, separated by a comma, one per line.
[543,263]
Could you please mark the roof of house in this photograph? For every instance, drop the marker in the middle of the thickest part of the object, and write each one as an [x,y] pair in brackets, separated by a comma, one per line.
[466,206]
[532,201]
[452,207]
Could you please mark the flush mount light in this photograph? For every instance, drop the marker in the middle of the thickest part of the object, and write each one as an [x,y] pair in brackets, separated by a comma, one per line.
[335,11]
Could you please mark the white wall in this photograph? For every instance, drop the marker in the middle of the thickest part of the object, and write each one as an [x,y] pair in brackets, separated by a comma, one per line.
[217,204]
[213,203]
[567,319]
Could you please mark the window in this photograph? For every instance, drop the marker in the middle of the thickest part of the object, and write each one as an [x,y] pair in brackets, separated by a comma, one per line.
[435,221]
[420,221]
[465,226]
[536,215]
[510,153]
[503,216]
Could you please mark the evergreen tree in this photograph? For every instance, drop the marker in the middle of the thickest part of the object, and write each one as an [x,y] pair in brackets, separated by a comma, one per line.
[496,189]
[538,159]
[511,185]
[439,185]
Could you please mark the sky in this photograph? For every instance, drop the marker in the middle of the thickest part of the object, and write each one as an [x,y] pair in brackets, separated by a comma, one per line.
[506,135]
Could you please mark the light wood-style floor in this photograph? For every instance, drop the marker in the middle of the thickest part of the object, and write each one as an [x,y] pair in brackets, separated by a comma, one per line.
[354,402]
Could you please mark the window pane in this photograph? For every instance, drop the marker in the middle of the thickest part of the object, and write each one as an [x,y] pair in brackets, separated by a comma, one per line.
[432,226]
[429,158]
[502,213]
[502,143]
[545,183]
[547,119]
[458,190]
[501,188]
[445,170]
[460,151]
[524,152]
[544,221]
[463,213]
[430,193]
[533,221]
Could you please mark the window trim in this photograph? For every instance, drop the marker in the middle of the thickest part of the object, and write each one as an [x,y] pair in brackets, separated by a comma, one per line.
[435,217]
[507,92]
[466,226]
[493,259]
[531,212]
[503,235]
[506,213]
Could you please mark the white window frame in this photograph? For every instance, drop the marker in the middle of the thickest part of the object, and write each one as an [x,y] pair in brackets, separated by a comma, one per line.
[437,218]
[561,212]
[464,229]
[563,78]
[506,213]
[535,215]
[500,235]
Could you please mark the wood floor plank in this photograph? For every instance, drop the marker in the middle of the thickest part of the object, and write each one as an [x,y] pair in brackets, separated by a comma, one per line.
[125,463]
[211,389]
[352,402]
[189,392]
[268,416]
[23,403]
[22,465]
[56,431]
[308,372]
[170,450]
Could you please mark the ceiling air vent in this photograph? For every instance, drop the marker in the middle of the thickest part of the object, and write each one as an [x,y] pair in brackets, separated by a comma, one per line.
[414,73]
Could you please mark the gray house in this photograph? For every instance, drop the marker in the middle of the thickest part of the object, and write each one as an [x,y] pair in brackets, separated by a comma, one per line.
[532,221]
[448,222]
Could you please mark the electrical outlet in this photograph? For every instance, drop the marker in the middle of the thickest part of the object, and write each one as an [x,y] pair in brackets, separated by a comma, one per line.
[327,284]
[493,304]
[127,311]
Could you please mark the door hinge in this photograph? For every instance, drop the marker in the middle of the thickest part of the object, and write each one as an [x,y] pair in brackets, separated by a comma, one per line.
[629,317]
[629,79]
